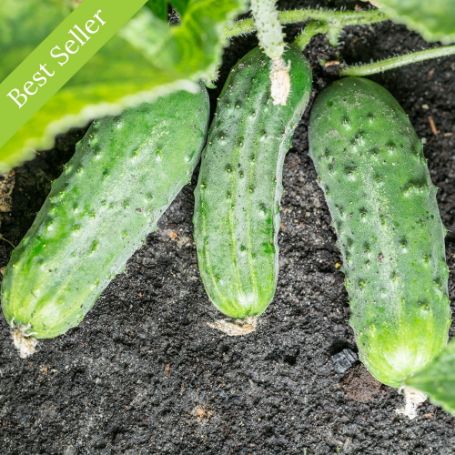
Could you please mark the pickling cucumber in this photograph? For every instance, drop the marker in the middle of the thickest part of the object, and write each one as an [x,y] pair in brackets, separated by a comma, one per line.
[237,211]
[383,205]
[126,171]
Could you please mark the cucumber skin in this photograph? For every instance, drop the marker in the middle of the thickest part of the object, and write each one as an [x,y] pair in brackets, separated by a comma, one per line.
[236,218]
[383,206]
[126,171]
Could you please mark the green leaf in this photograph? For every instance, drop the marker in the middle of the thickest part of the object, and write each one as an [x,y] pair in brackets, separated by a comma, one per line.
[437,380]
[147,59]
[146,33]
[26,23]
[433,19]
[158,8]
[180,5]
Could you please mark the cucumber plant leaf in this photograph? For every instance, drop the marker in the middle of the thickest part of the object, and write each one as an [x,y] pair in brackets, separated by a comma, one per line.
[180,5]
[437,380]
[433,19]
[158,8]
[132,68]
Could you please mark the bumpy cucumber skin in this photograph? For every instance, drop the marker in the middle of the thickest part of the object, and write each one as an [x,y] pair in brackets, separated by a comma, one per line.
[236,218]
[383,206]
[126,171]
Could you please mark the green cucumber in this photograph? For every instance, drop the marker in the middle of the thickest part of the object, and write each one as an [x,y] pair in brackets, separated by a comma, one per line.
[383,205]
[236,218]
[126,171]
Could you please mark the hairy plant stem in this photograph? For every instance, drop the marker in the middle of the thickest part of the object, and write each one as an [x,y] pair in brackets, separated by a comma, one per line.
[330,17]
[324,20]
[312,29]
[271,41]
[396,62]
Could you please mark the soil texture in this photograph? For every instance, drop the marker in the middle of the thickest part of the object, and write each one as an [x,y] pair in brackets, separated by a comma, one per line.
[145,374]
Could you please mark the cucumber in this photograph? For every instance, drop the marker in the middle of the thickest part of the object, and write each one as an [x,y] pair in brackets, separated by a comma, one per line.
[383,205]
[236,218]
[126,171]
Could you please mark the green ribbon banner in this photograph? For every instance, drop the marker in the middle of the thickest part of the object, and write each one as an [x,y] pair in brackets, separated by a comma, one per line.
[69,47]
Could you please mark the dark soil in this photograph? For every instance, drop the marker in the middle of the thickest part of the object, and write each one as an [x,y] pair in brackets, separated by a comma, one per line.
[144,374]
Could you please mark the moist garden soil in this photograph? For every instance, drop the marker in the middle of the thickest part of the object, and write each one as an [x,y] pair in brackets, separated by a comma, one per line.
[144,374]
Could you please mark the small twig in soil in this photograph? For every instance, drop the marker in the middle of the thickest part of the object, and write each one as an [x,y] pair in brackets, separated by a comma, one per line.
[331,63]
[7,241]
[433,127]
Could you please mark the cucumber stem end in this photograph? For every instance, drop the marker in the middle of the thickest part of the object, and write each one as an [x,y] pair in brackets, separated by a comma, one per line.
[413,398]
[235,328]
[25,344]
[280,82]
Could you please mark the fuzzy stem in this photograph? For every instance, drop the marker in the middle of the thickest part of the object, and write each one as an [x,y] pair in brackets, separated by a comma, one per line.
[309,32]
[396,62]
[268,27]
[340,18]
[271,41]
